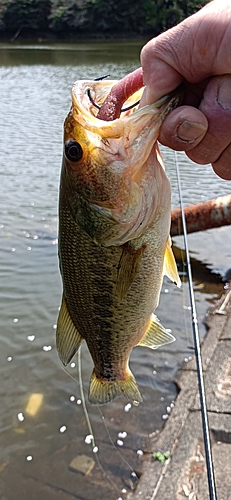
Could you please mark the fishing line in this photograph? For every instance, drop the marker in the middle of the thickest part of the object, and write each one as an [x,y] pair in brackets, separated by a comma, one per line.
[82,388]
[94,447]
[204,414]
[90,429]
[115,447]
[184,300]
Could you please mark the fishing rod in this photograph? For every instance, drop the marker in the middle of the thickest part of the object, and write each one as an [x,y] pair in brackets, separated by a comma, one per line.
[204,414]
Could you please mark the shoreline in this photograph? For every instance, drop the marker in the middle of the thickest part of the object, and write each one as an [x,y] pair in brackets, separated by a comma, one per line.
[183,474]
[48,37]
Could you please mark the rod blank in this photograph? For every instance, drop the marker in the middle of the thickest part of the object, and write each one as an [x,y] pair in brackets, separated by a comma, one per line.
[204,415]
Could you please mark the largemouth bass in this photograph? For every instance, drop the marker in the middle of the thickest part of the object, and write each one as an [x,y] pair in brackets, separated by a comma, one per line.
[114,245]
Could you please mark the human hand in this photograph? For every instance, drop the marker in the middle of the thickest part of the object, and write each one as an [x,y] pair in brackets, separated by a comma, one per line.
[197,52]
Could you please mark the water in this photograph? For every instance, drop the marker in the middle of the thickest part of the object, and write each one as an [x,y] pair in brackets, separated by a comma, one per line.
[36,450]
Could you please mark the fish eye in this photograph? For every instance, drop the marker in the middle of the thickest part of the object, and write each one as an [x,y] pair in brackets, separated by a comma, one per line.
[73,150]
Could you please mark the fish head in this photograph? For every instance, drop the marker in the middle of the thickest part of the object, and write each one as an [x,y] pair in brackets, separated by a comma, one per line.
[113,171]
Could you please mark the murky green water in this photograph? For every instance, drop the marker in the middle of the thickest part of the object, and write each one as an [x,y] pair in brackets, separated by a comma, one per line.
[36,451]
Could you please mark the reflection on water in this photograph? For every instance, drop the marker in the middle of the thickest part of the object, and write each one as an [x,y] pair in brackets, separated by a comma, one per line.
[39,443]
[69,54]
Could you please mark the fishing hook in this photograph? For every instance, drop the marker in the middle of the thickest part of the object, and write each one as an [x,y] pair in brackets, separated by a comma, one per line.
[100,78]
[99,107]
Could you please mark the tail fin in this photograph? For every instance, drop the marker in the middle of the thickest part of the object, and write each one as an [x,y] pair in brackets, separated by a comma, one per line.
[102,391]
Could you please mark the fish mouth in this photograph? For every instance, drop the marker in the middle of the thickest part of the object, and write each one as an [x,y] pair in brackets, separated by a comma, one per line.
[92,94]
[120,175]
[85,112]
[125,142]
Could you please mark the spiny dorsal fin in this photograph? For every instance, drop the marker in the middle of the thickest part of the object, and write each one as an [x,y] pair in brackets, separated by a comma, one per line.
[170,268]
[103,391]
[156,335]
[128,268]
[68,339]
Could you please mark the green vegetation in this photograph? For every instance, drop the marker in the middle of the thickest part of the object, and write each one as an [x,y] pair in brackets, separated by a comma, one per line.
[92,18]
[161,457]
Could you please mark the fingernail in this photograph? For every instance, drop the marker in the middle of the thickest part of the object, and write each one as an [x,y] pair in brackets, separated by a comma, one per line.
[224,94]
[189,131]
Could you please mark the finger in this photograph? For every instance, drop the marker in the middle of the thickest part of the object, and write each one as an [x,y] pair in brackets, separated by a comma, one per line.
[186,52]
[222,166]
[159,76]
[183,128]
[216,106]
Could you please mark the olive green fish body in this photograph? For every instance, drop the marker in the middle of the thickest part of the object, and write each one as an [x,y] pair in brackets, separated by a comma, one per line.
[113,249]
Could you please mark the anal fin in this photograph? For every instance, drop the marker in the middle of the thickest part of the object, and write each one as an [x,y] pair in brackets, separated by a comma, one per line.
[68,339]
[103,391]
[156,335]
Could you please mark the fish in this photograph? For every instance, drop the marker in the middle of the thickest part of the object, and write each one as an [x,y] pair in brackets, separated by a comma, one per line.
[114,245]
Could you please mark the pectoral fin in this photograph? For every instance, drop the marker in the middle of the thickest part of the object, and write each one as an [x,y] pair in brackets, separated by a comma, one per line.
[128,268]
[170,268]
[68,339]
[103,391]
[156,335]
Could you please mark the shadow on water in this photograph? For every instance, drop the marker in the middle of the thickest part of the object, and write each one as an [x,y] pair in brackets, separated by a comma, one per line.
[205,279]
[37,448]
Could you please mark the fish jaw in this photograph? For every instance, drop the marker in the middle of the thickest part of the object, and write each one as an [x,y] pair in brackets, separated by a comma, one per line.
[114,179]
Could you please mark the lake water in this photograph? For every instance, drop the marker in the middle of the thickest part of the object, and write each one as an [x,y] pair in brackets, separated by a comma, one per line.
[36,450]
